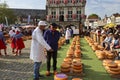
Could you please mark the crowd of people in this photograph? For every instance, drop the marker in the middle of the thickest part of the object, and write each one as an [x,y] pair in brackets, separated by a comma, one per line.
[110,36]
[112,39]
[17,43]
[42,40]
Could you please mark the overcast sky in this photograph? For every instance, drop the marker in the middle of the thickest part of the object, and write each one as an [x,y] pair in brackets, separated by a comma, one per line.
[100,7]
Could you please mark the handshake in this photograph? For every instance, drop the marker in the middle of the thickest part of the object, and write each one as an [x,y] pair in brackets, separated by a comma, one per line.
[50,50]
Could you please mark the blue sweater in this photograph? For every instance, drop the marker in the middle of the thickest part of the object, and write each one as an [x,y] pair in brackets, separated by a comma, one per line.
[52,39]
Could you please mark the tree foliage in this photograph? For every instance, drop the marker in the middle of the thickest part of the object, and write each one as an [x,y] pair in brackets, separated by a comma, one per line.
[6,12]
[93,16]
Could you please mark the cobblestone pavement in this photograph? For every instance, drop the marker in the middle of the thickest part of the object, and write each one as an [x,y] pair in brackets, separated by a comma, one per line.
[16,67]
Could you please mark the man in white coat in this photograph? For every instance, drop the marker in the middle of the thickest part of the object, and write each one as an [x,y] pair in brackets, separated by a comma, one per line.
[38,45]
[67,36]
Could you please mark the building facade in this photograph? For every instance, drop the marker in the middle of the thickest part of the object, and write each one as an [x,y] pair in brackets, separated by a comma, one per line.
[66,12]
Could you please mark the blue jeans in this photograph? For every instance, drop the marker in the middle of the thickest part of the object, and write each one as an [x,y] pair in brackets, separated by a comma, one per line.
[36,69]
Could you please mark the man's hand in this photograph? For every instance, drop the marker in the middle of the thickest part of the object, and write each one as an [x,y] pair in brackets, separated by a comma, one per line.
[51,50]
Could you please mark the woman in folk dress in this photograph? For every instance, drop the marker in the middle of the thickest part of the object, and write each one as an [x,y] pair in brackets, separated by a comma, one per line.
[19,42]
[2,43]
[12,36]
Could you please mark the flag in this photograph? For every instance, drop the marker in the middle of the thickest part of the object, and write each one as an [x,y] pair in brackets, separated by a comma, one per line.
[73,1]
[47,18]
[6,21]
[50,1]
[65,1]
[57,1]
[57,16]
[73,16]
[66,16]
[81,1]
[28,22]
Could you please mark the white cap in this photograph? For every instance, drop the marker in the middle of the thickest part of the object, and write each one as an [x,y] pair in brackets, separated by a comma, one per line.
[17,29]
[13,28]
[0,28]
[42,23]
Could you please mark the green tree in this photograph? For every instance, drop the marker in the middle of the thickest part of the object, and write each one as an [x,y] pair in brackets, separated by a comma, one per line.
[6,12]
[93,16]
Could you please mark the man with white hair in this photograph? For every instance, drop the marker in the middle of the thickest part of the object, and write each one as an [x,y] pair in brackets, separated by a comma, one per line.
[38,45]
[67,36]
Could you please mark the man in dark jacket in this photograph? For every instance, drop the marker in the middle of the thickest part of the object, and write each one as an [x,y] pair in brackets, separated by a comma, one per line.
[52,37]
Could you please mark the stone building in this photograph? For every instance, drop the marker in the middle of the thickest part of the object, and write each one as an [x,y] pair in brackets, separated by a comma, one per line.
[66,12]
[35,14]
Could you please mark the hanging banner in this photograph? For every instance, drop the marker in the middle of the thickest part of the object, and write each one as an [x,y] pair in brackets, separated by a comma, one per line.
[65,1]
[73,1]
[6,20]
[57,1]
[28,22]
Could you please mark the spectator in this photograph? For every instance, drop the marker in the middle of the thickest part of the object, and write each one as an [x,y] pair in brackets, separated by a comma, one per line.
[107,41]
[115,43]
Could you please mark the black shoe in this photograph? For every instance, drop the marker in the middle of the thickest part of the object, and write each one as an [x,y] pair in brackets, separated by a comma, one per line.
[41,76]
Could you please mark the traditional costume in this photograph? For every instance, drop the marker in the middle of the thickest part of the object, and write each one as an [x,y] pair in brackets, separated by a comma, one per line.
[19,41]
[12,36]
[2,42]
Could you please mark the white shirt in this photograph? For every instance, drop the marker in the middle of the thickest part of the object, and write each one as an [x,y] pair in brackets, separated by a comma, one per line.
[11,33]
[67,34]
[38,45]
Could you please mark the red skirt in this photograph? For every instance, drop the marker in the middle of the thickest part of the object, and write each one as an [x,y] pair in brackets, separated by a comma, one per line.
[2,45]
[20,44]
[13,43]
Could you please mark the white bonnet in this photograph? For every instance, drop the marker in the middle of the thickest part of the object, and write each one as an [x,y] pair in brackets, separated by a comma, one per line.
[17,29]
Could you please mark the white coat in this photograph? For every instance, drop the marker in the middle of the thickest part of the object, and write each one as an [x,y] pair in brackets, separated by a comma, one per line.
[38,45]
[67,34]
[11,33]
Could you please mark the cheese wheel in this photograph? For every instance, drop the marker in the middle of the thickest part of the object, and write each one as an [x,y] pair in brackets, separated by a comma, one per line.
[61,77]
[67,59]
[112,65]
[105,62]
[65,65]
[77,67]
[76,79]
[117,61]
[69,56]
[77,64]
[65,70]
[77,71]
[115,69]
[77,51]
[76,60]
[113,72]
